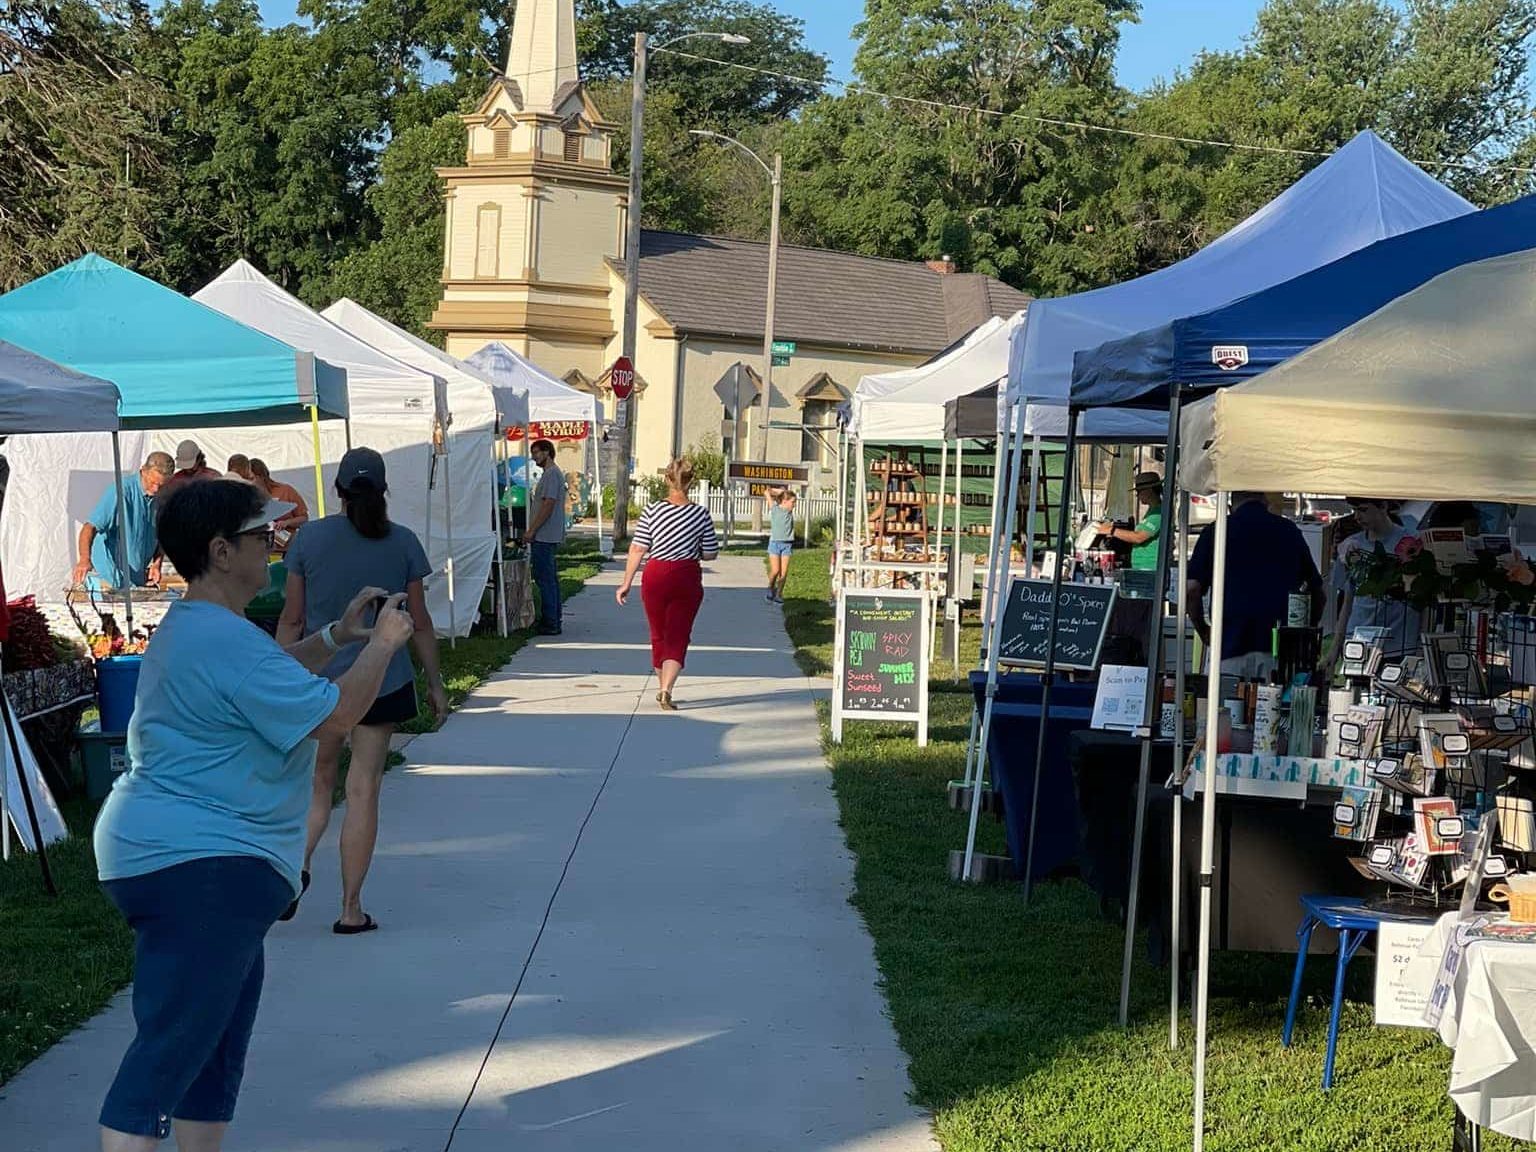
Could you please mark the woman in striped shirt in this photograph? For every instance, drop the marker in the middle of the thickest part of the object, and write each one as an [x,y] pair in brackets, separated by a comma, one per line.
[676,534]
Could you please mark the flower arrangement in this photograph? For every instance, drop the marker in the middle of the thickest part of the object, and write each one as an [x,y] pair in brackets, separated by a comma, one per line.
[1410,573]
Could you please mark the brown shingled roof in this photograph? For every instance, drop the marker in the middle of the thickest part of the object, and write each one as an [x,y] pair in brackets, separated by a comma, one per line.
[713,285]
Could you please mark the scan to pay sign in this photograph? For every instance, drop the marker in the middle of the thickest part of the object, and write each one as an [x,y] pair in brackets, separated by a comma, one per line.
[880,657]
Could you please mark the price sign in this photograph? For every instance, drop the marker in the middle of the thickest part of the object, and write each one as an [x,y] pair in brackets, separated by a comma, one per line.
[1401,994]
[881,654]
[622,377]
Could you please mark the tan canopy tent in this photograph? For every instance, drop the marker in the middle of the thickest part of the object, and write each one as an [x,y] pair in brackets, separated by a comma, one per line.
[1433,396]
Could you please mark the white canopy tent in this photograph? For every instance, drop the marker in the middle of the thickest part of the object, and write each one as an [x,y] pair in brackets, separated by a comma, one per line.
[548,398]
[480,412]
[396,408]
[1428,397]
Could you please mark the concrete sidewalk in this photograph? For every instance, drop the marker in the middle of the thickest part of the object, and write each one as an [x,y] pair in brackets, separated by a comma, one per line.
[603,927]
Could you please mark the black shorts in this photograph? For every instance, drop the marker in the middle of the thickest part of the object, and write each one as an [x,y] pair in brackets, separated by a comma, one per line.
[393,707]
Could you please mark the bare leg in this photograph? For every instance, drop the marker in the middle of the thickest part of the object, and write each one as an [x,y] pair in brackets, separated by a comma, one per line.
[115,1141]
[783,574]
[668,674]
[321,798]
[199,1136]
[360,823]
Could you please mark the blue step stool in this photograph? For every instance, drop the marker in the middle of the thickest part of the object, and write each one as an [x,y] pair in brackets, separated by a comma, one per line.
[1353,921]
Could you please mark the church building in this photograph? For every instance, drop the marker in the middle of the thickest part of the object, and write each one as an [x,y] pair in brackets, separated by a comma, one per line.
[534,257]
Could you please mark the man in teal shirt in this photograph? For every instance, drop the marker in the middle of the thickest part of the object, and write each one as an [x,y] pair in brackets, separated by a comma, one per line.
[1143,537]
[99,535]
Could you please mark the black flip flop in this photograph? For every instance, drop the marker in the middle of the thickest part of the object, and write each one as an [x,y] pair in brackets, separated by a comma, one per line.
[369,924]
[293,909]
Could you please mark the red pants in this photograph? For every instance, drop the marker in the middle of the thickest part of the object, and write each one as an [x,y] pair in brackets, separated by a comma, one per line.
[672,591]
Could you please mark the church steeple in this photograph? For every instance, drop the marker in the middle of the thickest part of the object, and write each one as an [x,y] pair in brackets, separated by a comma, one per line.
[541,59]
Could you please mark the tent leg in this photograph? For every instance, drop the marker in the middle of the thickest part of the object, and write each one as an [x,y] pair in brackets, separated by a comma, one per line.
[1175,900]
[933,635]
[597,483]
[314,432]
[1049,674]
[498,474]
[1149,711]
[1034,492]
[1208,810]
[999,600]
[453,624]
[14,746]
[122,534]
[1001,479]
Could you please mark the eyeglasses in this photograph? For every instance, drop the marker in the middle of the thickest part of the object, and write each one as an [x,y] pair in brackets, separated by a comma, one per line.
[270,537]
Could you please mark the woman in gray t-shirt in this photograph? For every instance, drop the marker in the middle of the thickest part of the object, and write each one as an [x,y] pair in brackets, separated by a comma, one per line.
[329,561]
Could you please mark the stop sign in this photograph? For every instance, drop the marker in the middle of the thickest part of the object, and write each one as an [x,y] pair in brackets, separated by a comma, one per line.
[622,377]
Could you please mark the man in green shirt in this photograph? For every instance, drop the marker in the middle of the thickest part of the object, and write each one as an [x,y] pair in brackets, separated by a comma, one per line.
[1143,537]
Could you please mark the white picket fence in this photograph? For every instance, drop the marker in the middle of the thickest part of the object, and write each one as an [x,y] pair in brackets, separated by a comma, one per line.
[816,507]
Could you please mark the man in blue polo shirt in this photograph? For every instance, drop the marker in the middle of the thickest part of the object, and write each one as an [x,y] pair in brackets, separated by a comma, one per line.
[99,535]
[1267,560]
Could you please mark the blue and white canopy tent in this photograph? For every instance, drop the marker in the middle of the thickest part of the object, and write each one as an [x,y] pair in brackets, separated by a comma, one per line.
[176,364]
[1363,193]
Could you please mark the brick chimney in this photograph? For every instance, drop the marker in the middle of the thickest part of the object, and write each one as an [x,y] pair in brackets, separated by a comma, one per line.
[943,266]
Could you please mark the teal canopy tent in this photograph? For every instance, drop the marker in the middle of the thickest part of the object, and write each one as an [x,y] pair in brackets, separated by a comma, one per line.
[177,363]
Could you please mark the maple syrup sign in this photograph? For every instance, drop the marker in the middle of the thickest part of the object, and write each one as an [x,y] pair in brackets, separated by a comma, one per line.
[881,649]
[551,430]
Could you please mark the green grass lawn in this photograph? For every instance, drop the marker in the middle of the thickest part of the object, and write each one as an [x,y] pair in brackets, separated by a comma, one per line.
[1007,1011]
[62,959]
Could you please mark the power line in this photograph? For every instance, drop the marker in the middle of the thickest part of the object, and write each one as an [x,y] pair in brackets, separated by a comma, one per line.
[855,89]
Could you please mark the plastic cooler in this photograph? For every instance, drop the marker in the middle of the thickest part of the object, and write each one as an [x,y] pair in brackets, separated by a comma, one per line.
[117,683]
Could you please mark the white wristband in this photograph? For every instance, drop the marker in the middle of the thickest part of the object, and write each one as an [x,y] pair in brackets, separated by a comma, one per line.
[330,640]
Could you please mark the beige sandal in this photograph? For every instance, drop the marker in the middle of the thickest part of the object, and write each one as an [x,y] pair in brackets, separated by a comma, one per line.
[665,700]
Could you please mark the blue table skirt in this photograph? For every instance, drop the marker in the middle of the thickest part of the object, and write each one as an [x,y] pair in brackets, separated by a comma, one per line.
[1011,752]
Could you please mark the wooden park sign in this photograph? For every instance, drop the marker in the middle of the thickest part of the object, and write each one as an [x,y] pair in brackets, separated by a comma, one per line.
[1080,626]
[770,474]
[880,653]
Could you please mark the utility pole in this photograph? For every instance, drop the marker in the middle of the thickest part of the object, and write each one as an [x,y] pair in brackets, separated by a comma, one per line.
[773,283]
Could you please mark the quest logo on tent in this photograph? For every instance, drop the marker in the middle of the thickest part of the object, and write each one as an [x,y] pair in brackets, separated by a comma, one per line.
[1229,357]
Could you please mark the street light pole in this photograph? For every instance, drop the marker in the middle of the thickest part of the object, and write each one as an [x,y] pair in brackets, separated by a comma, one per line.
[624,412]
[773,282]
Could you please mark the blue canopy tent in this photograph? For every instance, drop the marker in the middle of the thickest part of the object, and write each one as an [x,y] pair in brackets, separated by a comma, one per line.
[1237,342]
[1363,193]
[175,361]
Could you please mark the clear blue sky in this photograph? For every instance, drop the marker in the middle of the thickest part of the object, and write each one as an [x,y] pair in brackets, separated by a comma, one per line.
[1169,36]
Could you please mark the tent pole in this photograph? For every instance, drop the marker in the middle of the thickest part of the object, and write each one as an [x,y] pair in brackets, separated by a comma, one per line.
[1034,492]
[498,474]
[1208,809]
[933,636]
[1049,675]
[952,584]
[346,428]
[14,745]
[1175,914]
[1001,484]
[860,515]
[597,480]
[1152,699]
[314,432]
[453,625]
[122,533]
[999,602]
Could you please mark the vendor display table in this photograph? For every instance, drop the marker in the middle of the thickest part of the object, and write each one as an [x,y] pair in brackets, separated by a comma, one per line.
[1489,1018]
[1275,777]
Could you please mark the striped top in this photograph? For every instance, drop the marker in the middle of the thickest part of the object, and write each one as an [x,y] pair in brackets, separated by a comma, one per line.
[677,532]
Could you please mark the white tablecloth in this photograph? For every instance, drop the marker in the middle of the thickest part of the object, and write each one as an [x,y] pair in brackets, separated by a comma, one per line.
[1490,1021]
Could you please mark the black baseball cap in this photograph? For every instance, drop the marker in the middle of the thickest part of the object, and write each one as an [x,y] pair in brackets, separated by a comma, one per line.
[1148,480]
[361,468]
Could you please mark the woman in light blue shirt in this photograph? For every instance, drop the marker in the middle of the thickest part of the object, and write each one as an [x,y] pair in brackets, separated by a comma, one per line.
[200,841]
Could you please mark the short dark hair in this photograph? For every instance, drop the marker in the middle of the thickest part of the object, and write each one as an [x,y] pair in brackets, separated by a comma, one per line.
[542,446]
[198,514]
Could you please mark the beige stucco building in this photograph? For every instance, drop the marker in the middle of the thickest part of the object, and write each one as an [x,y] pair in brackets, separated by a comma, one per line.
[533,256]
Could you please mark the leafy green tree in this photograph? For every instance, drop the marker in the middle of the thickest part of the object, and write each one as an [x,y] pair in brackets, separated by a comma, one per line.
[397,276]
[999,190]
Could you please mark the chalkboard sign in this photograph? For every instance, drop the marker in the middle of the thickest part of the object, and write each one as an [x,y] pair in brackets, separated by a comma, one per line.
[881,658]
[1080,625]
